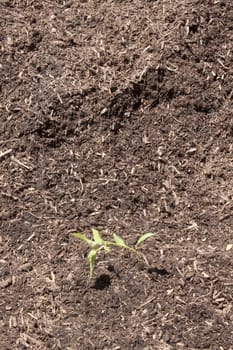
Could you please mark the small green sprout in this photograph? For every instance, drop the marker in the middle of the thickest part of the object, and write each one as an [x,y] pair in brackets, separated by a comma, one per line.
[98,244]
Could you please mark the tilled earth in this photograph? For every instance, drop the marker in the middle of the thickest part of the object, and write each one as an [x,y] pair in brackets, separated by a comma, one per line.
[116,115]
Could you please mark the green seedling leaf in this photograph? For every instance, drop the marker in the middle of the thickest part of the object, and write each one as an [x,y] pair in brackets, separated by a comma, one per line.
[96,235]
[84,239]
[143,238]
[106,246]
[119,241]
[99,240]
[121,244]
[91,257]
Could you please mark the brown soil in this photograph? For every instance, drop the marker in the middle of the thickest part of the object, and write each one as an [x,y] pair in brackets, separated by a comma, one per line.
[116,115]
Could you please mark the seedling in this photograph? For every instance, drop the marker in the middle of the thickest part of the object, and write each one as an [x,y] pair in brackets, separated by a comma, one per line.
[98,244]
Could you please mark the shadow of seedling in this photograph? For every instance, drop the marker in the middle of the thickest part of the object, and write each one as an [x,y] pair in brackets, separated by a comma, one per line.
[156,272]
[102,282]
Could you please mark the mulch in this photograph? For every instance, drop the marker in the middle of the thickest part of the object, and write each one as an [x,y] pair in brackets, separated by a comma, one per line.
[116,115]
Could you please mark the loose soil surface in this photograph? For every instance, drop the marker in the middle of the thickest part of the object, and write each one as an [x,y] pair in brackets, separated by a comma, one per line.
[116,115]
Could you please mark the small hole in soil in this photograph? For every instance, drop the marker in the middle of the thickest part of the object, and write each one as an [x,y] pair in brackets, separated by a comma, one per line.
[157,271]
[111,268]
[102,282]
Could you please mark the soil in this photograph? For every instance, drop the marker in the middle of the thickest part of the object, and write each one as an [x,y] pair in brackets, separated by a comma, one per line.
[116,115]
